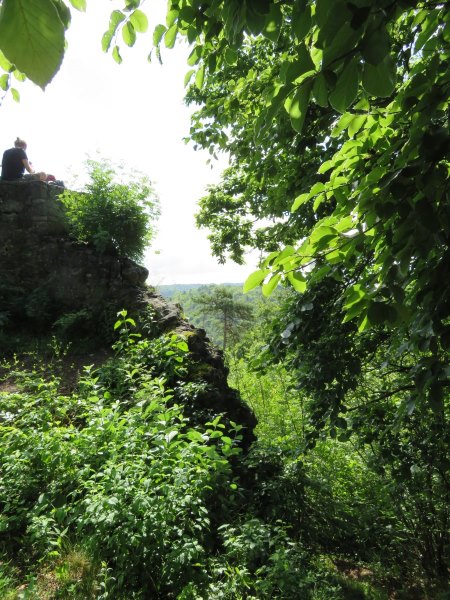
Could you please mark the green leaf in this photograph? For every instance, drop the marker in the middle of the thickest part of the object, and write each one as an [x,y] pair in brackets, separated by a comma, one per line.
[341,43]
[272,26]
[15,94]
[318,201]
[320,90]
[341,423]
[139,21]
[364,323]
[323,233]
[271,257]
[255,279]
[79,4]
[299,201]
[106,41]
[269,287]
[36,51]
[171,36]
[128,34]
[171,17]
[199,77]
[379,80]
[301,21]
[376,46]
[188,77]
[115,19]
[231,56]
[297,104]
[302,64]
[233,18]
[192,34]
[4,82]
[63,12]
[297,281]
[355,309]
[212,63]
[323,10]
[343,122]
[286,258]
[429,26]
[261,7]
[255,20]
[116,55]
[380,312]
[332,20]
[356,124]
[316,189]
[446,31]
[5,64]
[326,166]
[158,33]
[346,87]
[195,436]
[169,436]
[195,55]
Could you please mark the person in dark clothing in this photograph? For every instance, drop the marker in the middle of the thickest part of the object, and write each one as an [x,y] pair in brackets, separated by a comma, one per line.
[15,161]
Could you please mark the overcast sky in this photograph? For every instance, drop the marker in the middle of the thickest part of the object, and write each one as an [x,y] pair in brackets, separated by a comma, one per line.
[133,113]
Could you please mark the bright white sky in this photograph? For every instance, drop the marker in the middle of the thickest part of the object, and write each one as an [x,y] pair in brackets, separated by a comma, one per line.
[134,113]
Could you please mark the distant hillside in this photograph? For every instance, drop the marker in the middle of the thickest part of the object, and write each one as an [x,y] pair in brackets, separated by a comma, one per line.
[187,296]
[168,291]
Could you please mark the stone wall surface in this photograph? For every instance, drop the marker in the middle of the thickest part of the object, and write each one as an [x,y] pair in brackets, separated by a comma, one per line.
[36,252]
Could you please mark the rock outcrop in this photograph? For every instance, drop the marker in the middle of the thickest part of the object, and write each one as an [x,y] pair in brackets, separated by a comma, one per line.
[45,274]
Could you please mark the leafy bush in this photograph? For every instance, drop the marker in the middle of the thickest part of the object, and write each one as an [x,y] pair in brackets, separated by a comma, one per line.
[115,469]
[115,210]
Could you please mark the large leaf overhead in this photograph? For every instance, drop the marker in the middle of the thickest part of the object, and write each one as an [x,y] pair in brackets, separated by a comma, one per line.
[32,38]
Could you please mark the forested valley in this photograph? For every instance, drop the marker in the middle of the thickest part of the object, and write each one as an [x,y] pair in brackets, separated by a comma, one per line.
[123,482]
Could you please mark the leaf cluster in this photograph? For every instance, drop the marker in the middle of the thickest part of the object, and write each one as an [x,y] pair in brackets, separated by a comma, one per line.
[32,34]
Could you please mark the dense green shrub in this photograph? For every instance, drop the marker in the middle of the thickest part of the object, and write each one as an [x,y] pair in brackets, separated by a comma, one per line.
[116,470]
[114,210]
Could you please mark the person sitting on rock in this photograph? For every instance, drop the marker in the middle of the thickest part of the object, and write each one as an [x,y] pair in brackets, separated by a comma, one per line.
[15,162]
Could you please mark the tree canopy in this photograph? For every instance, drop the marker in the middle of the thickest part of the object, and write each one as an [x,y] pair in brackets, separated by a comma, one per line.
[358,190]
[336,119]
[226,308]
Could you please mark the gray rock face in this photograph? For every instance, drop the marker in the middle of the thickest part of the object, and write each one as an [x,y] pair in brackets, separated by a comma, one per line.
[36,253]
[206,367]
[30,207]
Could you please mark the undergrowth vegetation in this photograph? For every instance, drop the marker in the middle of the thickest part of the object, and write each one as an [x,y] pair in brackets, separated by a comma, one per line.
[107,491]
